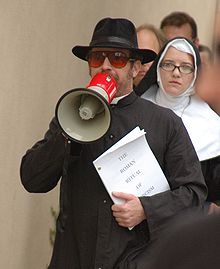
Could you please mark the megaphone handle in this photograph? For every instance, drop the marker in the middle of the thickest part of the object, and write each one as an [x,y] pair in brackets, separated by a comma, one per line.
[66,139]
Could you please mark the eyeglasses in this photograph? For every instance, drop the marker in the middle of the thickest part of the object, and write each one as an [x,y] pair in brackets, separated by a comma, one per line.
[183,68]
[118,59]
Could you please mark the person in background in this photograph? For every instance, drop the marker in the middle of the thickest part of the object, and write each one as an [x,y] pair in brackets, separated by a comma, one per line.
[149,37]
[208,86]
[199,237]
[91,231]
[172,85]
[180,24]
[191,242]
[206,55]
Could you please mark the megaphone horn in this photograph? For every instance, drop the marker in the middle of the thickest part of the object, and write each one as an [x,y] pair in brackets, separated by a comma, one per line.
[84,114]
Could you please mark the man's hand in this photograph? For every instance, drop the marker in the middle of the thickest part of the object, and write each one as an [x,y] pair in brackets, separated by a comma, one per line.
[130,213]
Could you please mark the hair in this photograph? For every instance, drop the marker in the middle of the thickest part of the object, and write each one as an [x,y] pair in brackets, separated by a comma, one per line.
[204,48]
[178,18]
[158,33]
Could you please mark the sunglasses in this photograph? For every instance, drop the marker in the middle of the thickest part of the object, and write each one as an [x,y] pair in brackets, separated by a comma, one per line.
[117,59]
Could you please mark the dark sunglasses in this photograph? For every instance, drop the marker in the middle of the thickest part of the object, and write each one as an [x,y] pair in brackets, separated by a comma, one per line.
[118,59]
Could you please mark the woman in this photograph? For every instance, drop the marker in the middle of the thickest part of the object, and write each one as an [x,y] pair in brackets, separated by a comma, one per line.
[170,83]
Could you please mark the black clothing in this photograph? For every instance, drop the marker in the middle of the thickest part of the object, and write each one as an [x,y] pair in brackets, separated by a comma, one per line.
[193,242]
[87,234]
[211,172]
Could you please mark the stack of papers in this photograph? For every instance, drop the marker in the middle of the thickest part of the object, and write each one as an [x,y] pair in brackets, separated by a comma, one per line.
[130,166]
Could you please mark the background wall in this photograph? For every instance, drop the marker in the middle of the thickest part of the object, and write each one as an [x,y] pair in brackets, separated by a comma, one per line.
[36,67]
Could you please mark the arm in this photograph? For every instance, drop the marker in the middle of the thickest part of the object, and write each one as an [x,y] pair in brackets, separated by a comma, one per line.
[188,190]
[183,171]
[41,166]
[211,172]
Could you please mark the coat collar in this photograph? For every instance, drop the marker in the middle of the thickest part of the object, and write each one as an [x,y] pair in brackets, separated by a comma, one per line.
[127,100]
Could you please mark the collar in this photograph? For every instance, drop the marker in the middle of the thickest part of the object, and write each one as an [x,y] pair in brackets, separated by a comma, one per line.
[201,122]
[116,99]
[124,100]
[176,103]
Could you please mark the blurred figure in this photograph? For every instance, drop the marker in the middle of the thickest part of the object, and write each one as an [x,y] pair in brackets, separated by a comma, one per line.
[208,86]
[149,37]
[180,24]
[171,80]
[192,243]
[206,56]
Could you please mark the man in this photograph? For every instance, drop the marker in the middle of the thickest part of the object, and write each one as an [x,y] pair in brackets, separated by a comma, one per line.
[92,232]
[149,37]
[180,24]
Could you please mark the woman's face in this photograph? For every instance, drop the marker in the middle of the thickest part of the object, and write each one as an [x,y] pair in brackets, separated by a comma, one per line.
[176,82]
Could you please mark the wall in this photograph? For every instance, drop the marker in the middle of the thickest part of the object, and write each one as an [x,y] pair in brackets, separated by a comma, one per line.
[36,67]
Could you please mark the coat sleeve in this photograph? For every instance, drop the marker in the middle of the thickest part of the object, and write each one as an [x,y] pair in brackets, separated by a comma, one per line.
[211,172]
[41,166]
[183,171]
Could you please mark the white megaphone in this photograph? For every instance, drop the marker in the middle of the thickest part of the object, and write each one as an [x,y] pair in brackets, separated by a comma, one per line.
[84,114]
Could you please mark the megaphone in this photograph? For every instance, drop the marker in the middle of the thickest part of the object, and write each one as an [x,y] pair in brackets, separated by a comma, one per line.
[84,114]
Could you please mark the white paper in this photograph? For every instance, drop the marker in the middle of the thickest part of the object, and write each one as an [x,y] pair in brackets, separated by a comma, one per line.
[130,166]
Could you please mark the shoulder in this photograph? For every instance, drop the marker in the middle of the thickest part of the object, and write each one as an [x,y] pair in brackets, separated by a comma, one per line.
[152,108]
[150,94]
[163,119]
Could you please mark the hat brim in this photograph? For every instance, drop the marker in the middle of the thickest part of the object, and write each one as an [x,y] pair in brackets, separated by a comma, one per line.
[146,55]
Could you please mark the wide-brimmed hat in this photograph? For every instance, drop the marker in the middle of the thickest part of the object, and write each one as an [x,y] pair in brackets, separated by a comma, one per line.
[115,33]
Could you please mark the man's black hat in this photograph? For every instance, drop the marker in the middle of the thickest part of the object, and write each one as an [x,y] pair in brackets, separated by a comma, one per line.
[115,33]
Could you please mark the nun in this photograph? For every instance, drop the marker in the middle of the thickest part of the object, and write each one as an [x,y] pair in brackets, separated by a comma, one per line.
[170,83]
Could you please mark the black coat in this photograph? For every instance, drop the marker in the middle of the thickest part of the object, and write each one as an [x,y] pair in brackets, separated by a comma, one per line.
[198,244]
[87,234]
[211,173]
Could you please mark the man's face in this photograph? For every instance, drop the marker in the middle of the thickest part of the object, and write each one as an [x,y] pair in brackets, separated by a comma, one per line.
[123,75]
[184,30]
[146,40]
